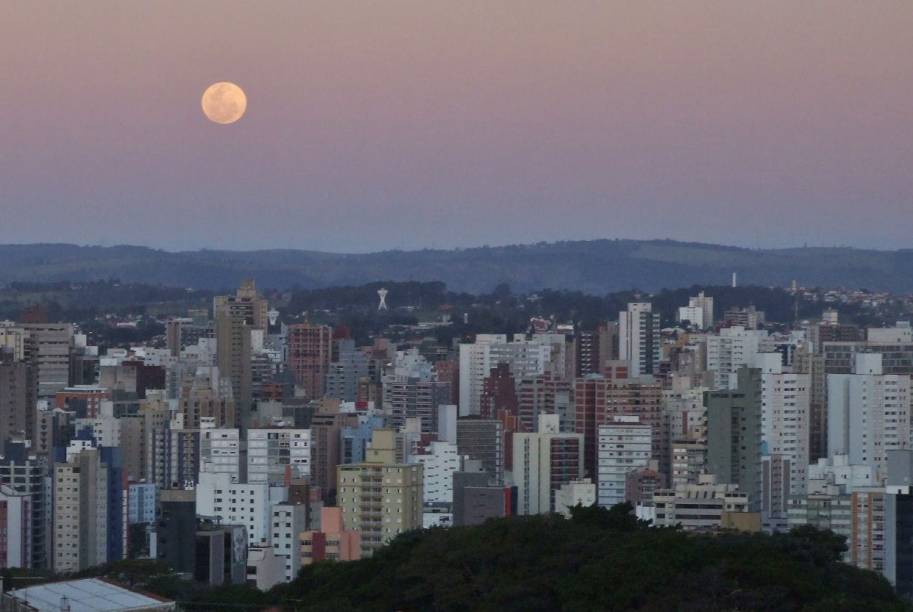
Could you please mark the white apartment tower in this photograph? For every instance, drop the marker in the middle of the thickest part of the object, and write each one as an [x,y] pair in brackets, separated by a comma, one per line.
[543,462]
[625,444]
[868,413]
[639,338]
[785,412]
[526,358]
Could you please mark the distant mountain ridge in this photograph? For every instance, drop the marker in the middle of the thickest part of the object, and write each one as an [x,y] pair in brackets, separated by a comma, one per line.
[592,266]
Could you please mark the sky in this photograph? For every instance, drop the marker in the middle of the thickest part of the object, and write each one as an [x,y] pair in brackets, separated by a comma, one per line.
[410,124]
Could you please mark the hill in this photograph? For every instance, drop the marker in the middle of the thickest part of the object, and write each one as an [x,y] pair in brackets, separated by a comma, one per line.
[596,266]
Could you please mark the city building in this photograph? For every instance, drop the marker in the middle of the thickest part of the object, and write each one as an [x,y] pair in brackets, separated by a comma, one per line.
[543,462]
[310,350]
[639,340]
[624,445]
[868,412]
[332,541]
[734,441]
[705,506]
[575,493]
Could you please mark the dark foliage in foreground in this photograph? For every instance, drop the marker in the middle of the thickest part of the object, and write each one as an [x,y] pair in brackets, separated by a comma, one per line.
[599,560]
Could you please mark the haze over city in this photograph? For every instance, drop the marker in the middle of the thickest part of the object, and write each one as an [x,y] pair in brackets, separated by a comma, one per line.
[407,124]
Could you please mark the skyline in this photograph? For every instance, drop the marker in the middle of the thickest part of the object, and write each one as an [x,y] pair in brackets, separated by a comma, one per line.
[403,126]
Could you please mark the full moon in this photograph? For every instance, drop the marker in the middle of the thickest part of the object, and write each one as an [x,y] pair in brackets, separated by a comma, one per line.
[224,102]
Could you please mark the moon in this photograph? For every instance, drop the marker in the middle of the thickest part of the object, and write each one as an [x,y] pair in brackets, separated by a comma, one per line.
[224,102]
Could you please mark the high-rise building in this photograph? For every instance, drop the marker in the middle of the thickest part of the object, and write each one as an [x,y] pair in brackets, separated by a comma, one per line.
[624,444]
[235,503]
[380,500]
[89,516]
[598,399]
[543,462]
[27,474]
[898,521]
[220,452]
[409,397]
[733,348]
[220,554]
[785,402]
[545,394]
[689,461]
[346,371]
[326,427]
[483,440]
[288,522]
[868,412]
[525,358]
[310,350]
[16,528]
[236,317]
[278,456]
[734,441]
[52,345]
[175,527]
[639,340]
[17,399]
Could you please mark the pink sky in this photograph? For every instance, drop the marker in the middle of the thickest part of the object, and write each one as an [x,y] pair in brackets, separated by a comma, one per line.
[388,124]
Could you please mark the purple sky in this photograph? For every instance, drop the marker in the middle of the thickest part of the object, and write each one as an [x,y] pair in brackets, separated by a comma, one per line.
[402,124]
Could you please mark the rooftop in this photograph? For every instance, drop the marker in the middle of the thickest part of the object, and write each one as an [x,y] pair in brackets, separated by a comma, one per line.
[87,595]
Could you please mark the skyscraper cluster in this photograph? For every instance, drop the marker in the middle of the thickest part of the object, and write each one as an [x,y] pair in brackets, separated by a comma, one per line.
[246,443]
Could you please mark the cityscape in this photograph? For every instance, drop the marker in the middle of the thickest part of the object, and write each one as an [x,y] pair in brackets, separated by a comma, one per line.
[454,306]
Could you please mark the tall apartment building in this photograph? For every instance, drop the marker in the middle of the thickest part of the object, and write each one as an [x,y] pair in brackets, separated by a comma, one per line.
[89,516]
[440,461]
[236,317]
[380,500]
[689,461]
[310,351]
[16,528]
[625,444]
[346,371]
[785,422]
[525,358]
[235,503]
[598,399]
[639,340]
[730,350]
[410,397]
[27,474]
[278,456]
[543,462]
[868,412]
[811,363]
[220,452]
[288,522]
[734,440]
[545,394]
[17,399]
[52,345]
[483,440]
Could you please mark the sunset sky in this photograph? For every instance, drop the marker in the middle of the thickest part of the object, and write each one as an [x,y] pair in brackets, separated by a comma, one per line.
[395,124]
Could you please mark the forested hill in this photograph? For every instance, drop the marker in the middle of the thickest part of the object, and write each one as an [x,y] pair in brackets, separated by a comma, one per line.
[599,560]
[596,266]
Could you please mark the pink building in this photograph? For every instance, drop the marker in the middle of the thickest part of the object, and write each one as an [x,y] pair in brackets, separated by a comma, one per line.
[332,542]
